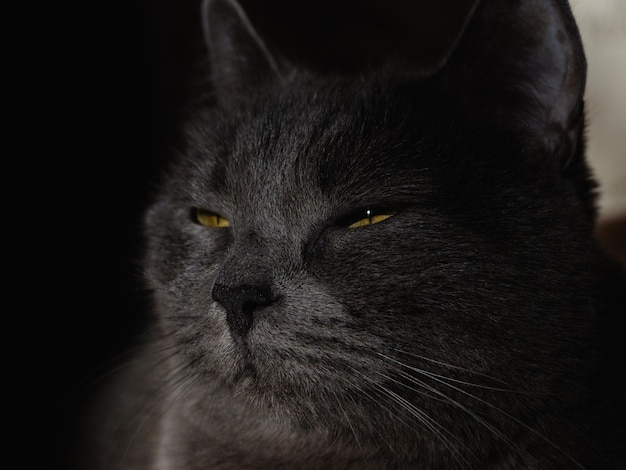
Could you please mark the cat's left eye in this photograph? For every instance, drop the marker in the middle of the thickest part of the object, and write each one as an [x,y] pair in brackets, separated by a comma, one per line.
[210,219]
[367,216]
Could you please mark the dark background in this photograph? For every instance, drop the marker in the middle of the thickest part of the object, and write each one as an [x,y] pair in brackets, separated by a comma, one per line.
[99,88]
[104,89]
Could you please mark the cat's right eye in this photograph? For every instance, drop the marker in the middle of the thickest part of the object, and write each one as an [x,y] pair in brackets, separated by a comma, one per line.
[209,219]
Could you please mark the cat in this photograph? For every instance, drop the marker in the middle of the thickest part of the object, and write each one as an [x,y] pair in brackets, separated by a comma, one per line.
[382,270]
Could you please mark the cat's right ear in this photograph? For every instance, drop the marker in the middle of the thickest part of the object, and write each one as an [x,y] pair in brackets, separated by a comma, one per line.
[240,62]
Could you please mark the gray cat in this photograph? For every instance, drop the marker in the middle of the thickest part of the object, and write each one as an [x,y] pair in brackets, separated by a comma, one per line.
[382,271]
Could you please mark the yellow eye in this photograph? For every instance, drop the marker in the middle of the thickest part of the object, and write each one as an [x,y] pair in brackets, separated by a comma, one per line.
[210,219]
[371,217]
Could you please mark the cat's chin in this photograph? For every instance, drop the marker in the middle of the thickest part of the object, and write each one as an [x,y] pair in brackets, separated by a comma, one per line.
[260,384]
[255,376]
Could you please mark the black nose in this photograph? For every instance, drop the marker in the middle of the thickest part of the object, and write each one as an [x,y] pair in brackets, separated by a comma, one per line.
[240,302]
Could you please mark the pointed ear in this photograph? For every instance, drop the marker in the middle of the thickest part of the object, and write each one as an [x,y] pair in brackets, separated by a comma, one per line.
[239,60]
[525,59]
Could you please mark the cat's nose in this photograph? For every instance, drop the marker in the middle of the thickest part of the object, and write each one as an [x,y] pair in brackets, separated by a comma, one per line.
[240,302]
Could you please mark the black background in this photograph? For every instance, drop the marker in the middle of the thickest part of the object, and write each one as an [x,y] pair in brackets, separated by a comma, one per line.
[100,87]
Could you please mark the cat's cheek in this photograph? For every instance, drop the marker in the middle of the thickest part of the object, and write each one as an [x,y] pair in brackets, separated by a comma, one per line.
[330,249]
[200,333]
[360,257]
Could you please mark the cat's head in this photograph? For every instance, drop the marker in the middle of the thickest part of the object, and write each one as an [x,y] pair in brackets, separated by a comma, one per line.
[387,251]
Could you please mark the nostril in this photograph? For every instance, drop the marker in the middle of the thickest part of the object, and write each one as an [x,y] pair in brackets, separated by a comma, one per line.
[240,302]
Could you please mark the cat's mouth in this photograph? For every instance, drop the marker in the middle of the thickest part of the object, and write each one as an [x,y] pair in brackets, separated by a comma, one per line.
[246,375]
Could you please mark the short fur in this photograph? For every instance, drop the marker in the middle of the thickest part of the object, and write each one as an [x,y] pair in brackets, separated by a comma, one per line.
[479,327]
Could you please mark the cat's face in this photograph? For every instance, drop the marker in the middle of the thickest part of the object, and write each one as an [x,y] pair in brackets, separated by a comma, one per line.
[453,275]
[368,248]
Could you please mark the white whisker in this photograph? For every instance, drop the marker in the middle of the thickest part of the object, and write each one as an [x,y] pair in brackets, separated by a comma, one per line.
[456,367]
[431,424]
[439,379]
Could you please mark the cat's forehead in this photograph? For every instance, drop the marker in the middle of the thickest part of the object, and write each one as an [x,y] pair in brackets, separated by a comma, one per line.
[343,137]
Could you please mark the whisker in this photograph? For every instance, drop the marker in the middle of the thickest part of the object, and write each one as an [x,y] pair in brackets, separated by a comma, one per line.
[446,399]
[373,426]
[431,424]
[437,378]
[345,415]
[509,388]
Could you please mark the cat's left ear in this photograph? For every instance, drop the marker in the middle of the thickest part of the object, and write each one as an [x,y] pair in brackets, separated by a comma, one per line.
[240,62]
[525,59]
